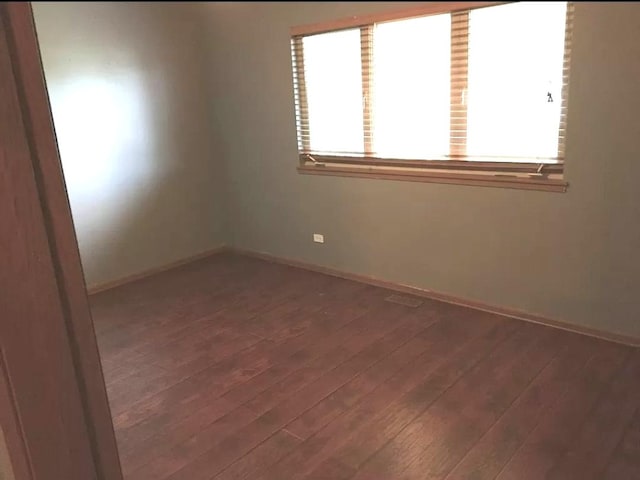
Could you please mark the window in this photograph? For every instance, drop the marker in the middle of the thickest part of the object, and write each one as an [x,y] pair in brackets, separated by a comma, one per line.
[468,96]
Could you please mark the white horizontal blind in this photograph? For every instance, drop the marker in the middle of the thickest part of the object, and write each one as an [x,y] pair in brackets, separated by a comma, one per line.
[483,84]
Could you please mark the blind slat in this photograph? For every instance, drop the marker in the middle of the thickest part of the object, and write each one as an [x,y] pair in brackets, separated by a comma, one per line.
[300,94]
[459,73]
[568,32]
[366,59]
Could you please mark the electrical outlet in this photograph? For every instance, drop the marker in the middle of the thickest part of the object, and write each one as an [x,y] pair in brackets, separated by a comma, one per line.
[318,238]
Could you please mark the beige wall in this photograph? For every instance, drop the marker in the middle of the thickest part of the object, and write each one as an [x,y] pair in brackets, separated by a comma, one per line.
[571,257]
[127,88]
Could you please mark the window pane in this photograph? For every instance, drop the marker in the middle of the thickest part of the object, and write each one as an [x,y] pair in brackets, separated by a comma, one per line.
[411,87]
[334,91]
[515,68]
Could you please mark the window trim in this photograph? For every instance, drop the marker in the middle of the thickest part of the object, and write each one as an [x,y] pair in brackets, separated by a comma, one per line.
[528,176]
[456,169]
[478,179]
[454,164]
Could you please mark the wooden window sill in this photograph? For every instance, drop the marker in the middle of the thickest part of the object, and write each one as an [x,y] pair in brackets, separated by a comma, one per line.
[523,181]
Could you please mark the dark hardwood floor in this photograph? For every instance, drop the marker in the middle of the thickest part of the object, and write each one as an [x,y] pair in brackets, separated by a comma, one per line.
[234,368]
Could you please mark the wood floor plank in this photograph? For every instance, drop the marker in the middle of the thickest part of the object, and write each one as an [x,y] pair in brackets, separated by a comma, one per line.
[218,376]
[273,350]
[197,462]
[162,463]
[330,470]
[368,330]
[234,317]
[135,453]
[237,368]
[625,463]
[346,396]
[241,310]
[152,423]
[144,385]
[207,365]
[389,423]
[181,361]
[460,418]
[144,419]
[167,301]
[591,449]
[169,422]
[422,448]
[238,444]
[297,360]
[263,456]
[353,436]
[118,308]
[209,330]
[491,453]
[552,436]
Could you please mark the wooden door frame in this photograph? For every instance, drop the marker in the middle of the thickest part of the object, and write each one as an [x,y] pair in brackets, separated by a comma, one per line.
[18,26]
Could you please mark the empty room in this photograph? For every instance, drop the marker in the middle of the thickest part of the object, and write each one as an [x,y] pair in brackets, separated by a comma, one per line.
[320,240]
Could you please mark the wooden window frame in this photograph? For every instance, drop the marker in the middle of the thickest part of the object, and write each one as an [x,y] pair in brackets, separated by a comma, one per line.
[456,168]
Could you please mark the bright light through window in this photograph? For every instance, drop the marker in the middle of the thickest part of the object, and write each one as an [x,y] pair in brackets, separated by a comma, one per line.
[411,87]
[334,91]
[515,79]
[484,84]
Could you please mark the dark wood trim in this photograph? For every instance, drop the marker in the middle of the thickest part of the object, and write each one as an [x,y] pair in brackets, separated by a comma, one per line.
[512,181]
[65,423]
[465,302]
[153,271]
[423,9]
